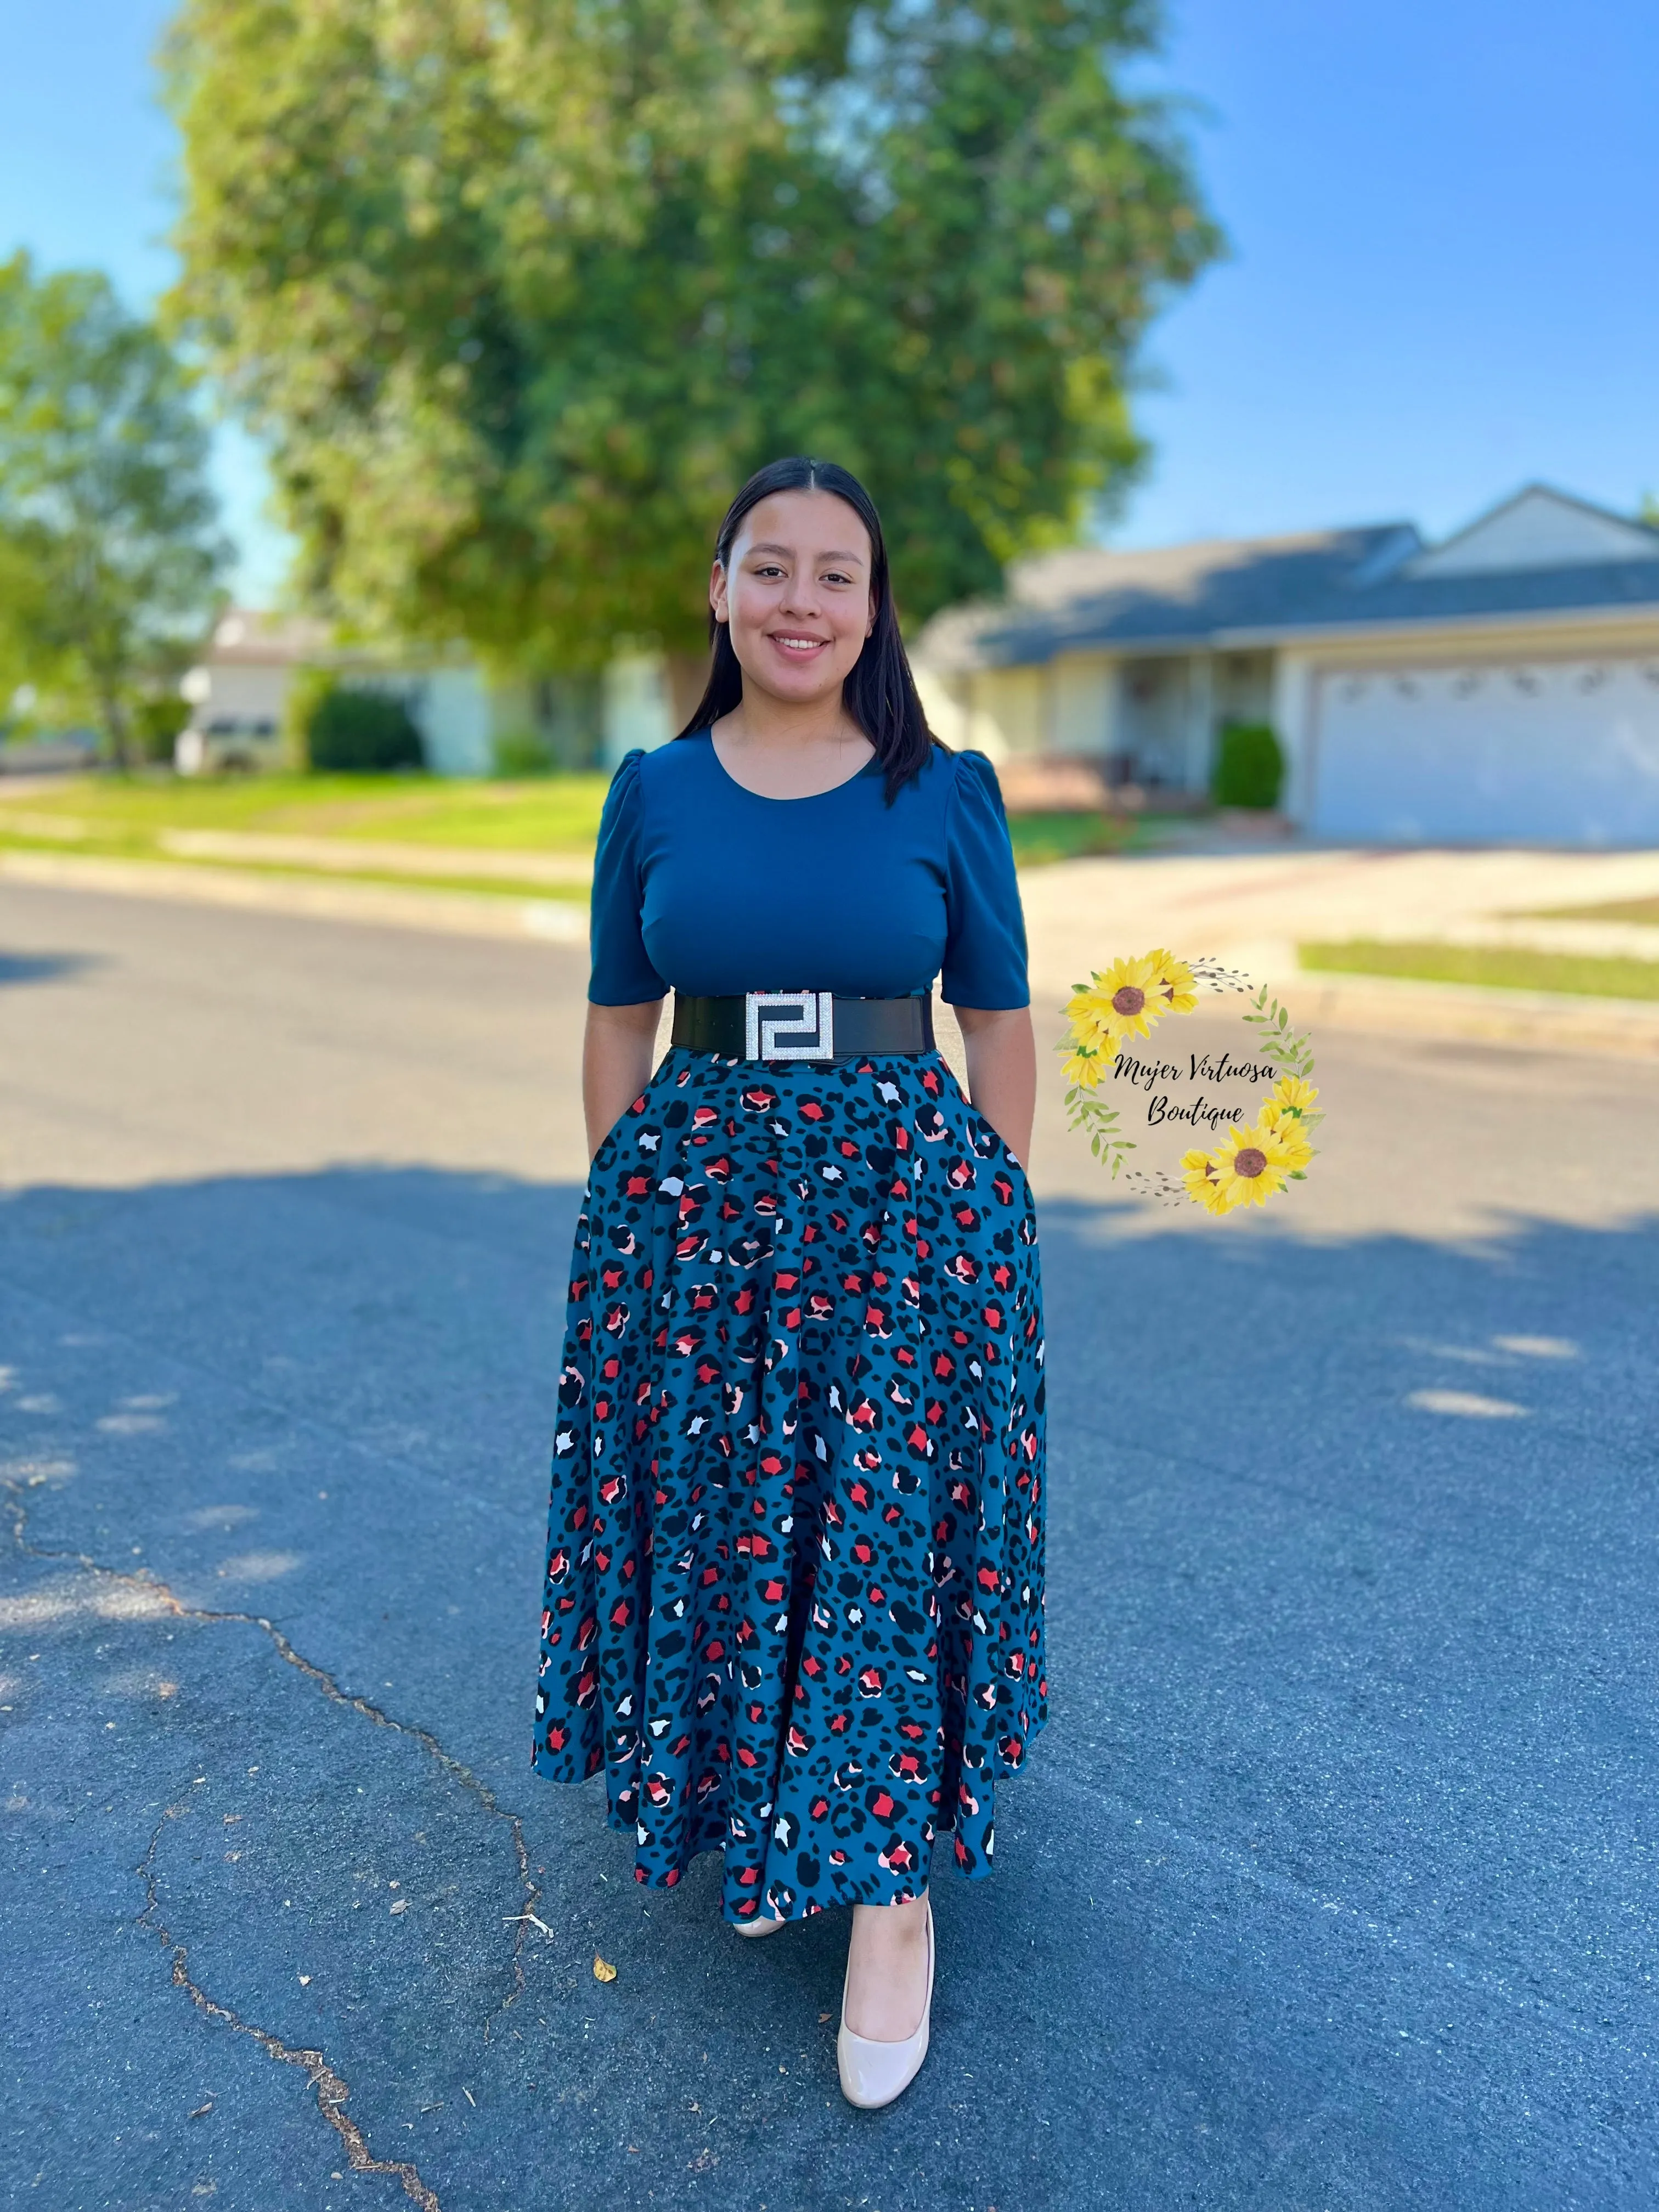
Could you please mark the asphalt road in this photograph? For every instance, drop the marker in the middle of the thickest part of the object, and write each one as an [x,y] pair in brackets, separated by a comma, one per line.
[1332,1883]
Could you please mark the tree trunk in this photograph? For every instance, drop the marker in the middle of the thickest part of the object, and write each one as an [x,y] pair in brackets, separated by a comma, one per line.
[119,728]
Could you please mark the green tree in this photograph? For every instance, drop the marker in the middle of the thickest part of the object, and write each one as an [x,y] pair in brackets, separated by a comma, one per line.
[23,608]
[107,522]
[518,291]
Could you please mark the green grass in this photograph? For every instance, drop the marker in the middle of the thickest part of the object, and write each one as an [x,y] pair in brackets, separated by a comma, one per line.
[123,817]
[1040,838]
[1497,966]
[550,814]
[1645,911]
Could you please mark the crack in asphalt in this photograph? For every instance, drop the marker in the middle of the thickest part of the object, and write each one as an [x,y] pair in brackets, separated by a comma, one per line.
[331,2088]
[151,1587]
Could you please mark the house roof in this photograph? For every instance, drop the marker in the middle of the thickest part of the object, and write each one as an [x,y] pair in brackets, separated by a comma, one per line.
[249,637]
[252,637]
[1538,527]
[1539,552]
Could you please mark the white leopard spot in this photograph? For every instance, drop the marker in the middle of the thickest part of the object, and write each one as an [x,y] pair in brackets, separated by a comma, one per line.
[1466,1405]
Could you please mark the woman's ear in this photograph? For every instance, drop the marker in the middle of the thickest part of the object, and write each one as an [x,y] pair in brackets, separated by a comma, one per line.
[718,598]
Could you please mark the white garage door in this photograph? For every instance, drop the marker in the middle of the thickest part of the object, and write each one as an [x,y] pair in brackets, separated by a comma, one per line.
[1551,752]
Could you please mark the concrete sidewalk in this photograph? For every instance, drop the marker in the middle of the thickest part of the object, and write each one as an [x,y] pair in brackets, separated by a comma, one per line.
[366,855]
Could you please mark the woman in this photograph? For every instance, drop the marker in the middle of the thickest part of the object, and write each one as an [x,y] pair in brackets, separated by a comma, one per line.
[794,1584]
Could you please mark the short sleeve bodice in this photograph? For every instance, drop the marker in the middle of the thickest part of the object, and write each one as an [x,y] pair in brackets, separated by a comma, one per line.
[706,888]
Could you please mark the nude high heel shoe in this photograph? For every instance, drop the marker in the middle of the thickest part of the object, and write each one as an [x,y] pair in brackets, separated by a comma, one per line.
[873,2073]
[759,1927]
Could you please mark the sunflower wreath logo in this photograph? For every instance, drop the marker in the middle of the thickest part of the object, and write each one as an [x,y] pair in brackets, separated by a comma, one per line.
[1249,1160]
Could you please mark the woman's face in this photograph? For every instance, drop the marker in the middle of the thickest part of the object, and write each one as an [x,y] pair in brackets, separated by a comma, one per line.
[796,597]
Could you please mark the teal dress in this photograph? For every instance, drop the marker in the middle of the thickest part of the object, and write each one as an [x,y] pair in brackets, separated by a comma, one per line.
[703,886]
[793,1599]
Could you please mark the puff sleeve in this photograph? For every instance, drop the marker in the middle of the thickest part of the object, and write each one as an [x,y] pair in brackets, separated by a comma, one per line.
[984,961]
[622,973]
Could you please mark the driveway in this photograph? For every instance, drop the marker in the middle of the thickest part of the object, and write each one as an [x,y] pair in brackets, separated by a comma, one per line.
[1330,1887]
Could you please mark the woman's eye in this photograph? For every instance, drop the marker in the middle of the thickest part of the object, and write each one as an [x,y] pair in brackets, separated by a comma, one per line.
[835,576]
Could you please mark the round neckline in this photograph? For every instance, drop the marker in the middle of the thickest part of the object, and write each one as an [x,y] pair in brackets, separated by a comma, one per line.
[802,798]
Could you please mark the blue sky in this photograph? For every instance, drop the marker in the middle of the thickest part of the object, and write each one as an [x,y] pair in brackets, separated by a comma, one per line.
[1443,215]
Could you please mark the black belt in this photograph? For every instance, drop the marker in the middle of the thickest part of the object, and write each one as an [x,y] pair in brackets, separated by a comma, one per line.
[803,1025]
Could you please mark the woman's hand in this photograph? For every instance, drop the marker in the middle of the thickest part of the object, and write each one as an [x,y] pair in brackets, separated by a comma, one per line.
[1002,1071]
[617,1053]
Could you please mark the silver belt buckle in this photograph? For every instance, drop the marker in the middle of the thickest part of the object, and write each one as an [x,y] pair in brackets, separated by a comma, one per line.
[789,1025]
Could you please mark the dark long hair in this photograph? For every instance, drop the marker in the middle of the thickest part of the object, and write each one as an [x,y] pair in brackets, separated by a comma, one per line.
[879,692]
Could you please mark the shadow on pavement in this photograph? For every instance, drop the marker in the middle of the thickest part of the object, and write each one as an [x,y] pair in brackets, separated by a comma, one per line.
[1330,1885]
[42,967]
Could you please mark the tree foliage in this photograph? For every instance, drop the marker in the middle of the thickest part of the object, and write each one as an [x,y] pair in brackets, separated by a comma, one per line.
[519,290]
[109,557]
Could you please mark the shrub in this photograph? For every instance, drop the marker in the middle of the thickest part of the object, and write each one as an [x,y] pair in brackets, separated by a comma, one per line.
[521,752]
[157,721]
[361,733]
[1249,766]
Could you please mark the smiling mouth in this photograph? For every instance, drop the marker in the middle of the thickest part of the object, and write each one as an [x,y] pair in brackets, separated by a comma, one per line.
[789,642]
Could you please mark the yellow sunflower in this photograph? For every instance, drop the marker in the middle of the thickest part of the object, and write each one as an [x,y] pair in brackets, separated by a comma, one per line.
[1117,1004]
[1252,1162]
[1294,1094]
[1198,1173]
[1086,1063]
[1172,982]
[1285,1124]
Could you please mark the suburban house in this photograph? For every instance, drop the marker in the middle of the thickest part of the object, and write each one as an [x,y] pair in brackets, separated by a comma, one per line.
[1502,684]
[469,724]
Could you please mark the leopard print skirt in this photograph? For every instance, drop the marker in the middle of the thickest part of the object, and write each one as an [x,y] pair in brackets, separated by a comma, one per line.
[795,1548]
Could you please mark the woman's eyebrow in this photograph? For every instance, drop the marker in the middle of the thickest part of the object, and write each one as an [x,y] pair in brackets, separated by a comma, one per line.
[788,552]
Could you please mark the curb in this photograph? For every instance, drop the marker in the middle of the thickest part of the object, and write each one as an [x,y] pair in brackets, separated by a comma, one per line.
[468,913]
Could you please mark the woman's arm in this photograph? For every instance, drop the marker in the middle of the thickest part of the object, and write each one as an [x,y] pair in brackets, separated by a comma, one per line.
[616,1059]
[1002,1071]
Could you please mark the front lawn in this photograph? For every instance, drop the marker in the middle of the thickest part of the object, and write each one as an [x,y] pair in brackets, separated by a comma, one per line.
[1040,838]
[1497,967]
[548,814]
[126,816]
